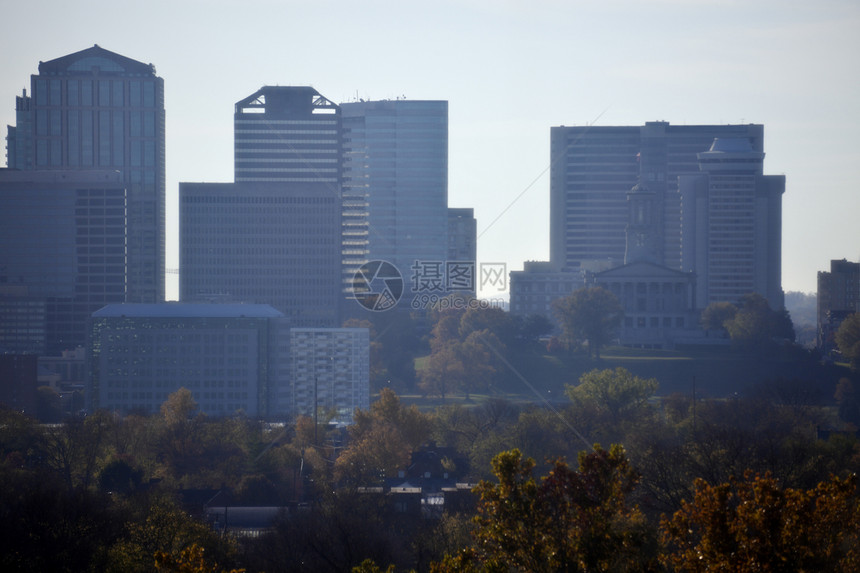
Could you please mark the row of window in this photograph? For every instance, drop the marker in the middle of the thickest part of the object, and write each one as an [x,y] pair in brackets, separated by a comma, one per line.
[103,93]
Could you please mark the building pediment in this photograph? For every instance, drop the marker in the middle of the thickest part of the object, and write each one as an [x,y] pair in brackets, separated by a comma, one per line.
[641,271]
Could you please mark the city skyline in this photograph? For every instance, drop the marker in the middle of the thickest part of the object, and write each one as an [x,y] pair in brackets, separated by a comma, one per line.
[509,73]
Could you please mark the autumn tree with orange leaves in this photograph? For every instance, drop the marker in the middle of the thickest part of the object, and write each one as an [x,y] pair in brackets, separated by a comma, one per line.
[754,524]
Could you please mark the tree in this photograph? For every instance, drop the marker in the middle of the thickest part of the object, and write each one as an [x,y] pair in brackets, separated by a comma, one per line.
[614,391]
[849,402]
[589,313]
[569,520]
[533,326]
[716,314]
[848,338]
[463,358]
[192,559]
[444,371]
[754,524]
[492,319]
[160,529]
[381,440]
[49,405]
[755,324]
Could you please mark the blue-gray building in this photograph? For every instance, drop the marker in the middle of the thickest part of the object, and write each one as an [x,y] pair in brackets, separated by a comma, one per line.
[232,357]
[262,243]
[274,236]
[397,150]
[96,109]
[62,255]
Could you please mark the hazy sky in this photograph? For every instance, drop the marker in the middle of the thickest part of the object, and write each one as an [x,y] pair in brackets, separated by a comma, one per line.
[510,71]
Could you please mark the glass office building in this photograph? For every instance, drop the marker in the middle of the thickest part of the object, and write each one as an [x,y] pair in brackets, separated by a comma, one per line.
[397,150]
[96,109]
[62,255]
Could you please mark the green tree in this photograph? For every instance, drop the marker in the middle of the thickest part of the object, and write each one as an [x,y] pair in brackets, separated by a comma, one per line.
[754,524]
[716,314]
[569,520]
[614,391]
[443,372]
[755,324]
[589,313]
[467,364]
[848,401]
[49,406]
[848,338]
[73,448]
[492,319]
[533,326]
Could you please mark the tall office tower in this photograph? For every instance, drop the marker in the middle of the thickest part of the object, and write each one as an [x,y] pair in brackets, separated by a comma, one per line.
[62,255]
[838,296]
[288,134]
[292,135]
[399,150]
[593,169]
[265,243]
[95,109]
[732,225]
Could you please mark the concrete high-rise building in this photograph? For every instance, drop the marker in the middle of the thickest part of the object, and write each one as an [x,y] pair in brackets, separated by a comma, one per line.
[838,296]
[227,355]
[96,109]
[594,168]
[732,225]
[62,255]
[397,150]
[330,371]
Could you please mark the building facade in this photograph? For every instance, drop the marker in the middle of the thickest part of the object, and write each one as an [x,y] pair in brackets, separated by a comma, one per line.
[593,169]
[227,355]
[98,110]
[616,198]
[535,287]
[397,151]
[732,225]
[838,296]
[288,134]
[330,372]
[462,235]
[62,255]
[262,242]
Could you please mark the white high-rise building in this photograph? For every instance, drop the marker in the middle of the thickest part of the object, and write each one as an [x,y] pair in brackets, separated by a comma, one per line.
[732,225]
[330,372]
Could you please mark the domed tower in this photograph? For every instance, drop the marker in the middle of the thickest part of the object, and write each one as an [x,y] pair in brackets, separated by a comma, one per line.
[643,233]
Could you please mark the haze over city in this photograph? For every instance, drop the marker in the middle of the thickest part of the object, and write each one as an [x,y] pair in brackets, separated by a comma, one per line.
[510,72]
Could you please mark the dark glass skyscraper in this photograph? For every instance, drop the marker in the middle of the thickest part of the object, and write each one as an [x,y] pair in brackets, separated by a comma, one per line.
[62,255]
[96,109]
